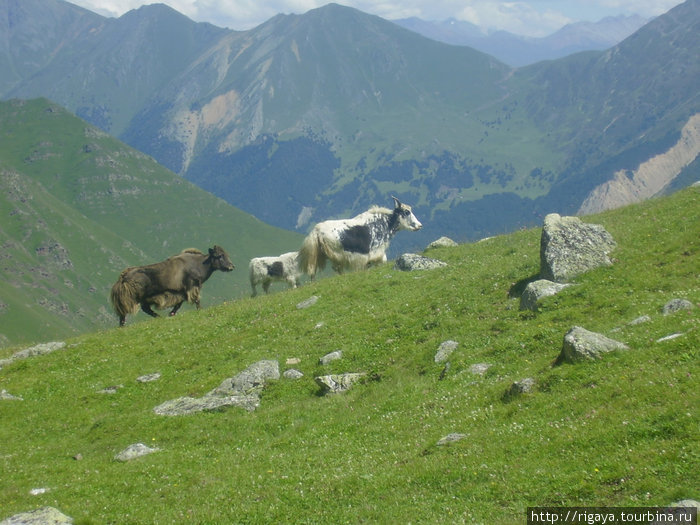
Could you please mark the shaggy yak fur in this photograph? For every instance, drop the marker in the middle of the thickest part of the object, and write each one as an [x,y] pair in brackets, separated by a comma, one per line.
[168,283]
[265,270]
[354,244]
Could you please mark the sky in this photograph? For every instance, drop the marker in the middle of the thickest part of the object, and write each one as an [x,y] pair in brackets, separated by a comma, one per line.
[523,17]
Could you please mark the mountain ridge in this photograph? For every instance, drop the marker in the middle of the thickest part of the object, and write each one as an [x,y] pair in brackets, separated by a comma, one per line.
[321,115]
[518,50]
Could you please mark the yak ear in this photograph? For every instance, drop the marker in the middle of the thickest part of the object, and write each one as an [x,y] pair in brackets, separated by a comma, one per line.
[397,202]
[211,251]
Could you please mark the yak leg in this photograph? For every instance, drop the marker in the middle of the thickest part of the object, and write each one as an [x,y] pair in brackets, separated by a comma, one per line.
[147,309]
[176,308]
[122,320]
[266,286]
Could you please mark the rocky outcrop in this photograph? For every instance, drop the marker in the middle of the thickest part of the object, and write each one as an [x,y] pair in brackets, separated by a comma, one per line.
[570,247]
[242,391]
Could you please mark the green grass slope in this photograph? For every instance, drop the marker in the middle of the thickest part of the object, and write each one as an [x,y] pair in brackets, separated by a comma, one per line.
[622,431]
[78,206]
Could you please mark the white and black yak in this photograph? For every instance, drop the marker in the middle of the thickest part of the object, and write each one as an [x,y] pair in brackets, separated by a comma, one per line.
[265,270]
[168,283]
[354,244]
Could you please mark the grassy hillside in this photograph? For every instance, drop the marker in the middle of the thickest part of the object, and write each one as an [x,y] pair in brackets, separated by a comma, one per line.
[78,206]
[621,431]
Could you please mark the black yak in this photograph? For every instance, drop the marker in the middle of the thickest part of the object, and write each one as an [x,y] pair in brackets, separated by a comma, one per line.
[168,283]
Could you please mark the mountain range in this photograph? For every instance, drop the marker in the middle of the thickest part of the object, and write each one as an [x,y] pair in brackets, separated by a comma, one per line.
[313,116]
[518,50]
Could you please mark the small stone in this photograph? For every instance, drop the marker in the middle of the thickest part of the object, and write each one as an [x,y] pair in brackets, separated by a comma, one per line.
[308,302]
[42,516]
[336,383]
[134,451]
[333,356]
[293,373]
[676,305]
[581,345]
[479,368]
[4,394]
[640,320]
[409,262]
[441,243]
[669,337]
[148,378]
[524,386]
[445,350]
[450,438]
[110,389]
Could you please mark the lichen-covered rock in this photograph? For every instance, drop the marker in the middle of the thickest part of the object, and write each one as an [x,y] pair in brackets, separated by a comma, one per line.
[307,302]
[5,395]
[148,378]
[251,381]
[676,305]
[409,262]
[442,242]
[479,368]
[445,350]
[524,386]
[293,373]
[33,351]
[189,405]
[450,438]
[570,247]
[242,390]
[42,516]
[330,357]
[135,451]
[583,345]
[537,290]
[335,383]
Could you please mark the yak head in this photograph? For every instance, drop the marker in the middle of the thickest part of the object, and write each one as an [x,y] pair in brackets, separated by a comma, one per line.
[219,259]
[406,219]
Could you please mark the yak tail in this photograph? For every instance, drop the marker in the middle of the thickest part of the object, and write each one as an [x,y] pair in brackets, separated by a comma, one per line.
[124,296]
[312,257]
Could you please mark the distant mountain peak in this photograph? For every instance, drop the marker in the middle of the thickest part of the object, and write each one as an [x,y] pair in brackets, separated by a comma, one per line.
[519,50]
